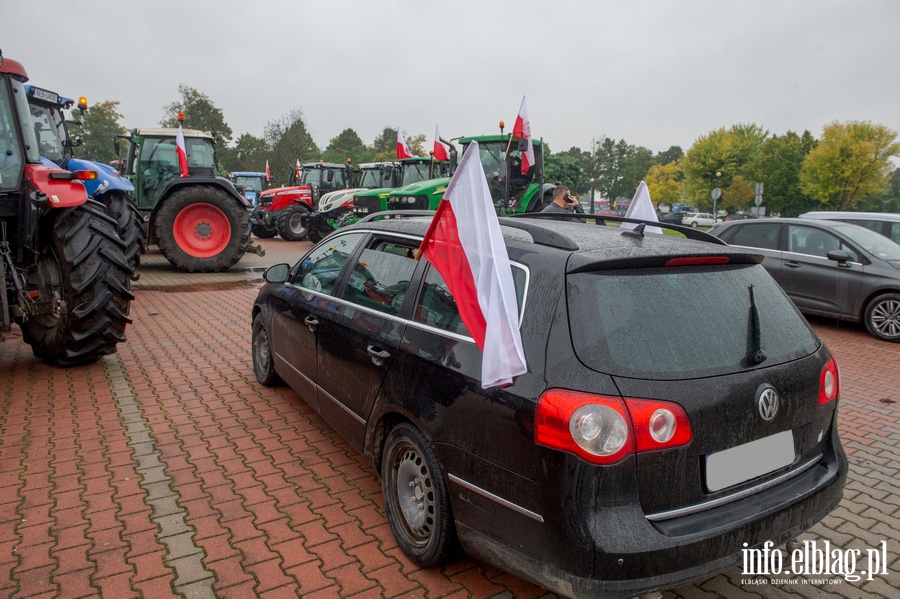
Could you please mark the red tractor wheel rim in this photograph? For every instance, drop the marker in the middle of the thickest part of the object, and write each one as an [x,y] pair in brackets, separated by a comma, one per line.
[201,230]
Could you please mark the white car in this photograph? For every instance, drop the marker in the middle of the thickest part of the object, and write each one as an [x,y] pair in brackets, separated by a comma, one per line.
[698,219]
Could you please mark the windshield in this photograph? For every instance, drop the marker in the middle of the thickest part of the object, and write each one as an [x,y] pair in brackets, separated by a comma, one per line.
[874,243]
[415,172]
[374,178]
[682,322]
[492,154]
[250,183]
[12,162]
[50,129]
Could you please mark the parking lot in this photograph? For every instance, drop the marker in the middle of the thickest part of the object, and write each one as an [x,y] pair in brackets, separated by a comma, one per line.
[167,470]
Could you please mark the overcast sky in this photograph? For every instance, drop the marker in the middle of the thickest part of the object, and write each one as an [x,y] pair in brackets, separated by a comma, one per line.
[655,73]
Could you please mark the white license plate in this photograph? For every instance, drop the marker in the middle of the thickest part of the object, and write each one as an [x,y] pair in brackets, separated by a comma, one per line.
[744,462]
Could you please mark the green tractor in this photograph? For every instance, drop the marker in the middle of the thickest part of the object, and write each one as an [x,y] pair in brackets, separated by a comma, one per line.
[511,191]
[409,171]
[201,223]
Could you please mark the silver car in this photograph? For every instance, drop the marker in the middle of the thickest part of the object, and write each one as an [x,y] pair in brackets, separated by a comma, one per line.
[828,268]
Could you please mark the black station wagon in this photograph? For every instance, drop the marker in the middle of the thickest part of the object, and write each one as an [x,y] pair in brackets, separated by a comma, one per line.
[637,453]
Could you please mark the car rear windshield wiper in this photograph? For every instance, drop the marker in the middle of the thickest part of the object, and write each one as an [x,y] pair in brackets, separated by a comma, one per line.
[756,355]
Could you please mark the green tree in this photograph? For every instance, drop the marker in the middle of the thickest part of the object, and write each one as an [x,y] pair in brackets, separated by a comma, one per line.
[673,154]
[618,167]
[385,145]
[717,158]
[563,168]
[850,164]
[289,140]
[101,125]
[663,182]
[199,113]
[347,144]
[777,165]
[248,154]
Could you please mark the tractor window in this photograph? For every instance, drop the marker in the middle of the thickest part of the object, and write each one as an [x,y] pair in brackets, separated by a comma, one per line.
[200,152]
[415,172]
[312,177]
[11,162]
[250,183]
[50,130]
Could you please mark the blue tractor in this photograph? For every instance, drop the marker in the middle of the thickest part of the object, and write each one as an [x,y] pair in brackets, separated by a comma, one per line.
[109,188]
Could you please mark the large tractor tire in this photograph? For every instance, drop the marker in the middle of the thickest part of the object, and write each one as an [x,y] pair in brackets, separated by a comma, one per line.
[263,232]
[201,228]
[130,225]
[290,222]
[83,273]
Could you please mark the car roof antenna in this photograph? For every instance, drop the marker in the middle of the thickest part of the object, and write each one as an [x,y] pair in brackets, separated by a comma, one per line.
[638,231]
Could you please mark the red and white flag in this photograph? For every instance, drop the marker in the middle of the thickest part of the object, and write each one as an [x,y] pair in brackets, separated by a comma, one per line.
[440,150]
[299,168]
[402,148]
[522,131]
[268,174]
[181,151]
[465,245]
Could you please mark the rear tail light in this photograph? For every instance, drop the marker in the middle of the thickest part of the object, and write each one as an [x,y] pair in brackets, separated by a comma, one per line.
[829,382]
[604,430]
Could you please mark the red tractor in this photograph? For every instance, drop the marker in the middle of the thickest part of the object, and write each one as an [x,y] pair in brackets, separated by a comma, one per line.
[281,210]
[64,278]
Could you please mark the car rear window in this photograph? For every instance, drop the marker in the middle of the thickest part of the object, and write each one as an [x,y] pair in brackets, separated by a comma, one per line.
[681,322]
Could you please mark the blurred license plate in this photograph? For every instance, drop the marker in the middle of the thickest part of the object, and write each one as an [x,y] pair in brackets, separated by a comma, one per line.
[747,461]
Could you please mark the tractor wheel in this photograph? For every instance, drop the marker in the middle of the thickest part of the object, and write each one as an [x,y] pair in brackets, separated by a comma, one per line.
[263,232]
[130,224]
[201,228]
[81,282]
[314,235]
[290,222]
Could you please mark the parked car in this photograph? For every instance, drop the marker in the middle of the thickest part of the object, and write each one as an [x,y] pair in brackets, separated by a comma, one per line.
[884,223]
[828,268]
[731,217]
[638,452]
[673,217]
[698,219]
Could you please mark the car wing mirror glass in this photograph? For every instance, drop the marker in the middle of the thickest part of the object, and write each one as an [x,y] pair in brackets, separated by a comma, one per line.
[277,273]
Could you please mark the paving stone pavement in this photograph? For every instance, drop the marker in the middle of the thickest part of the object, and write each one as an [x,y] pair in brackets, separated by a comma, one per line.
[166,470]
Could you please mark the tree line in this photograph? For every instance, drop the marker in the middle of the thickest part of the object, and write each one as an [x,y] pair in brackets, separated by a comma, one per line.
[848,167]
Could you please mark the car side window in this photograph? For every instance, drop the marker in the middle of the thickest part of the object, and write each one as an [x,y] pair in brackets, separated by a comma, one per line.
[437,306]
[757,235]
[815,242]
[320,268]
[380,277]
[894,232]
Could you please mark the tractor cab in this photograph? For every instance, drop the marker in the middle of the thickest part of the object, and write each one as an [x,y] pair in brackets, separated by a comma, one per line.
[415,170]
[152,161]
[502,162]
[15,151]
[322,177]
[50,124]
[375,175]
[251,184]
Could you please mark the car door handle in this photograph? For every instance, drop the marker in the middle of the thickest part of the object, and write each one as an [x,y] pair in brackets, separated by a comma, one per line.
[793,264]
[378,355]
[311,323]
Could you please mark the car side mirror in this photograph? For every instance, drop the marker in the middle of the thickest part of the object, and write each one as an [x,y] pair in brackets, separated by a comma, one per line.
[277,273]
[839,256]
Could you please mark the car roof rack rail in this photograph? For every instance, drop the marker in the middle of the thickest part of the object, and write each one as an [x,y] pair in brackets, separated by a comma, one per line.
[688,232]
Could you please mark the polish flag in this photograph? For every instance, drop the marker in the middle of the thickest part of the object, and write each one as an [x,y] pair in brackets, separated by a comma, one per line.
[642,207]
[440,150]
[181,151]
[465,245]
[522,131]
[268,174]
[299,168]
[402,148]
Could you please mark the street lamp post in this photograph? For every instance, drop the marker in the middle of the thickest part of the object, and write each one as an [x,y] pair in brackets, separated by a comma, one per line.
[716,194]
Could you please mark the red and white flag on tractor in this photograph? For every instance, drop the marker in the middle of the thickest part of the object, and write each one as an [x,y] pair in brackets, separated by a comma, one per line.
[181,152]
[402,148]
[522,131]
[440,150]
[268,174]
[299,168]
[465,245]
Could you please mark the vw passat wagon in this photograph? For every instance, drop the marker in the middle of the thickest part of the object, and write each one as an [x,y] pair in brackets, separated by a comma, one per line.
[637,453]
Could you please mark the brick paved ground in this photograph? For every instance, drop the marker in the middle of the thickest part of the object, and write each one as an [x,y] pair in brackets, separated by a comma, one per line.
[166,470]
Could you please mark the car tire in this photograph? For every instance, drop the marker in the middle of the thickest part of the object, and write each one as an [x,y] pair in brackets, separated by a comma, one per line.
[882,317]
[694,224]
[416,498]
[261,349]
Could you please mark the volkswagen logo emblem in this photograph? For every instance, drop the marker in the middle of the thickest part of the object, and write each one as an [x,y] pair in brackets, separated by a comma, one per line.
[767,402]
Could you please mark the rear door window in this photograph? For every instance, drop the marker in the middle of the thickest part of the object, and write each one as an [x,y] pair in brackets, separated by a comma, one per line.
[681,322]
[757,236]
